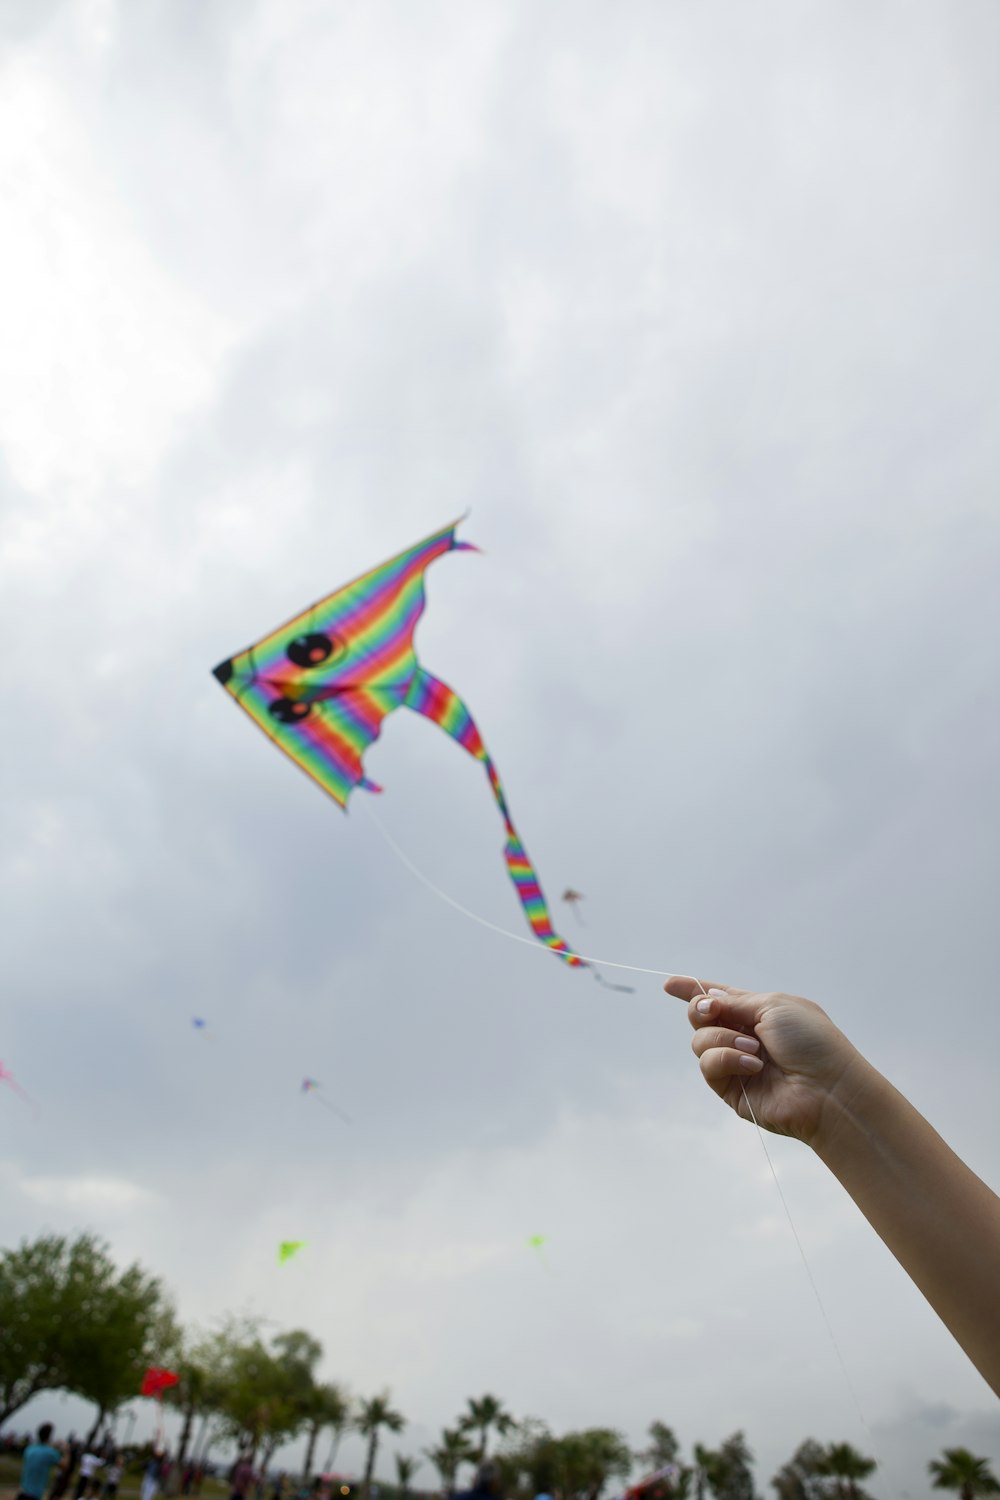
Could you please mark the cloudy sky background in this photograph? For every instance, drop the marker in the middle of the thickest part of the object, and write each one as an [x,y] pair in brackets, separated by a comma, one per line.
[697,307]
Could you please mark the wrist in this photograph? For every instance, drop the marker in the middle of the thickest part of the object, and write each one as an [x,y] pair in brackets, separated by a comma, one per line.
[849,1106]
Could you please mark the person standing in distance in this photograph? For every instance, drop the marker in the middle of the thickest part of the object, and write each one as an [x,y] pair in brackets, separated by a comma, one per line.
[38,1461]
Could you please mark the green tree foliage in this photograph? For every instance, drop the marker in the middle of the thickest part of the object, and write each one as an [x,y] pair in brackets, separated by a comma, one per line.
[961,1470]
[589,1459]
[453,1449]
[38,1287]
[329,1405]
[405,1469]
[71,1319]
[260,1389]
[527,1458]
[663,1447]
[483,1416]
[844,1466]
[578,1465]
[664,1450]
[198,1389]
[725,1472]
[372,1416]
[799,1478]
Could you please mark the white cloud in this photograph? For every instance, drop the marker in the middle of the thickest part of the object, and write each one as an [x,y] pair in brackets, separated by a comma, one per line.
[104,355]
[95,1194]
[698,309]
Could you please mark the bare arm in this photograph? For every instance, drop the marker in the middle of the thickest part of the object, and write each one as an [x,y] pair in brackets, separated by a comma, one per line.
[805,1079]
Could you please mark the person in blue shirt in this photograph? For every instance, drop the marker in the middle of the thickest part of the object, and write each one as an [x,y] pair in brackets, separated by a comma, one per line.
[39,1459]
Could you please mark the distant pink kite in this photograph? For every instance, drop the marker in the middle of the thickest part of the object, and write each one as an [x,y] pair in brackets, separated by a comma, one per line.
[6,1076]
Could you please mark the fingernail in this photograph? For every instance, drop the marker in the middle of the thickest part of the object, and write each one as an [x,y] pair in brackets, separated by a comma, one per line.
[704,1006]
[751,1064]
[747,1043]
[719,994]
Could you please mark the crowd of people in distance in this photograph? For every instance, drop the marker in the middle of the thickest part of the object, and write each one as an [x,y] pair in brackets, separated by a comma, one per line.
[50,1470]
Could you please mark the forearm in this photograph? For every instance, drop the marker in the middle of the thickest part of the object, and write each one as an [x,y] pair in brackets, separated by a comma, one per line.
[941,1222]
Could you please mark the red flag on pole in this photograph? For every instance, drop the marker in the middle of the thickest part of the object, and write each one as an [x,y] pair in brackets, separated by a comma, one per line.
[156,1381]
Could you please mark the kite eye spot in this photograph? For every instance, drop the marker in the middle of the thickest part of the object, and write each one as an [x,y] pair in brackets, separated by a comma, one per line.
[288,710]
[310,650]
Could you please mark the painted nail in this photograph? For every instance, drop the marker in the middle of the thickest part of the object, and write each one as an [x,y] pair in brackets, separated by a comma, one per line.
[747,1044]
[719,994]
[703,1007]
[751,1064]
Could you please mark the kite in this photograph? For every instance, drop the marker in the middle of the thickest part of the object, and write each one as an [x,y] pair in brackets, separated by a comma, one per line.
[321,685]
[7,1077]
[288,1248]
[572,899]
[314,1087]
[538,1242]
[156,1381]
[198,1023]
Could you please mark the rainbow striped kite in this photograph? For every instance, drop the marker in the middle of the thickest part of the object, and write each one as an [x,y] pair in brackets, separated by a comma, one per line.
[320,686]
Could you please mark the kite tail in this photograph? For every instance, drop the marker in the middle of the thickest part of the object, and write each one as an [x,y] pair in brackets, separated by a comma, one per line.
[438,702]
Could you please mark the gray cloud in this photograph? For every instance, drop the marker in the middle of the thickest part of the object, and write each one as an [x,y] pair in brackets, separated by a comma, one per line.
[697,308]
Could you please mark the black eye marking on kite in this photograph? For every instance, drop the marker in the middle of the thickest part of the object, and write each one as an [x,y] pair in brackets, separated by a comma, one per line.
[288,710]
[310,650]
[223,671]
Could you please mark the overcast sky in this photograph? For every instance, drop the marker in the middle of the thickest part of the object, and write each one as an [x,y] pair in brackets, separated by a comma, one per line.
[696,306]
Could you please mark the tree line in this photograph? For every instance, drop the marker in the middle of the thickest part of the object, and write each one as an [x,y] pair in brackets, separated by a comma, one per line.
[71,1320]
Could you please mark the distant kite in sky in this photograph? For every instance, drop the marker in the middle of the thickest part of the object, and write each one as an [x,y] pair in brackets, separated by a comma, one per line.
[314,1087]
[537,1242]
[156,1381]
[288,1248]
[321,685]
[572,899]
[7,1077]
[198,1023]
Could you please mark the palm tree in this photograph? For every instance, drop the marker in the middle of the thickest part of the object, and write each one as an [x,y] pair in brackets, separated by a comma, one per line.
[453,1449]
[963,1472]
[371,1417]
[663,1446]
[845,1465]
[326,1406]
[483,1414]
[405,1470]
[708,1467]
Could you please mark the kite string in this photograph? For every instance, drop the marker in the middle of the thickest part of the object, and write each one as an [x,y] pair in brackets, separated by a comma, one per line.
[808,1269]
[607,963]
[515,937]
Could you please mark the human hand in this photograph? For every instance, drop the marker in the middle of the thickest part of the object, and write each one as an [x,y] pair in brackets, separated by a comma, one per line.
[783,1050]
